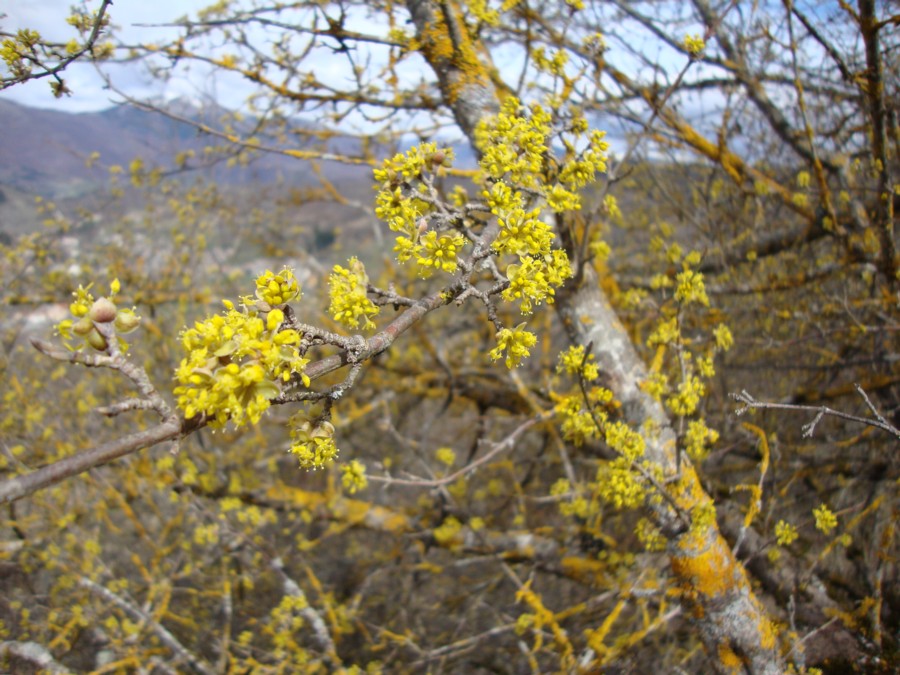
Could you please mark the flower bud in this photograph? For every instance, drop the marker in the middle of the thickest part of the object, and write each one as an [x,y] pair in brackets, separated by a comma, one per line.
[102,311]
[324,430]
[83,326]
[127,321]
[97,341]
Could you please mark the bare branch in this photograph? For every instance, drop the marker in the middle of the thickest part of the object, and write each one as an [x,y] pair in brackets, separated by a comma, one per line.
[498,447]
[22,486]
[33,653]
[750,403]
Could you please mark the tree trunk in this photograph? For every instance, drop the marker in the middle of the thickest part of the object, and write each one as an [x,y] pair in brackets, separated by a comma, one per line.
[714,588]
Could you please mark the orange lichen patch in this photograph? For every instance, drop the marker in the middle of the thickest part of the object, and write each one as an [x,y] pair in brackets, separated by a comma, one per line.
[688,492]
[707,568]
[768,631]
[729,659]
[585,570]
[436,42]
[453,54]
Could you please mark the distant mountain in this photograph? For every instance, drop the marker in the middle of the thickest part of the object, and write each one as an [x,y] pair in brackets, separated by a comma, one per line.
[45,152]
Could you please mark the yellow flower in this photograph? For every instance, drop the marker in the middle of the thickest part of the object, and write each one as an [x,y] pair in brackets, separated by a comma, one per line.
[697,438]
[724,339]
[277,289]
[619,485]
[439,253]
[689,288]
[516,343]
[234,360]
[445,456]
[694,44]
[349,300]
[353,476]
[785,533]
[826,521]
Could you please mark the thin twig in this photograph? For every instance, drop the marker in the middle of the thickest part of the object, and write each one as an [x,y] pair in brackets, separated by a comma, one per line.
[500,446]
[808,429]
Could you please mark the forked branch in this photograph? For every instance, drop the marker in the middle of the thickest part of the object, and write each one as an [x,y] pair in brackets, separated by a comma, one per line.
[879,421]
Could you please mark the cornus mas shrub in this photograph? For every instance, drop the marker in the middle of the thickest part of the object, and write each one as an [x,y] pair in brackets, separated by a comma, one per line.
[500,441]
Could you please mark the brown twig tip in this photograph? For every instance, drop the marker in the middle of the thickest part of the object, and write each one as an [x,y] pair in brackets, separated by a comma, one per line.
[42,346]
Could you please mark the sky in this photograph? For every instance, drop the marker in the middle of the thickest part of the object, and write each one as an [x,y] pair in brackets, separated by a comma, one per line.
[48,17]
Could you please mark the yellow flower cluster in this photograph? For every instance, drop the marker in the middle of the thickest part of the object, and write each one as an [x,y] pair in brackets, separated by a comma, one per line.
[554,64]
[287,614]
[667,332]
[785,533]
[577,506]
[517,344]
[15,50]
[535,279]
[724,339]
[445,456]
[400,203]
[624,440]
[437,252]
[313,445]
[687,398]
[649,535]
[574,362]
[619,485]
[234,361]
[656,385]
[353,476]
[578,173]
[698,439]
[689,288]
[482,13]
[694,44]
[826,521]
[347,288]
[540,269]
[400,212]
[513,145]
[576,423]
[448,531]
[277,289]
[522,232]
[411,166]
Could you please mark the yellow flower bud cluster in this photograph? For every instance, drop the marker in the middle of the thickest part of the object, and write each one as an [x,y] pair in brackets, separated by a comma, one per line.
[826,521]
[785,533]
[236,361]
[277,289]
